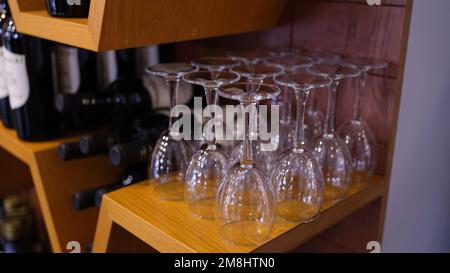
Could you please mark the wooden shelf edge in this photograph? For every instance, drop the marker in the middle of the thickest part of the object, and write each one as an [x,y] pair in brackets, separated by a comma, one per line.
[134,209]
[112,25]
[26,151]
[328,218]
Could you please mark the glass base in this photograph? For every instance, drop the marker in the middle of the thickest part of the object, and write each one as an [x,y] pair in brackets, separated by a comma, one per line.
[245,233]
[297,211]
[359,181]
[204,208]
[172,190]
[332,193]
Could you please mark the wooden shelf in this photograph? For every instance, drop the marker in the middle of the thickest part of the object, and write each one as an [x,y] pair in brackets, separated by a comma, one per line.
[118,24]
[169,227]
[55,182]
[25,151]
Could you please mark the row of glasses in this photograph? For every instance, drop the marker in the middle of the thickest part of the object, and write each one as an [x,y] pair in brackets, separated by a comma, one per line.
[245,199]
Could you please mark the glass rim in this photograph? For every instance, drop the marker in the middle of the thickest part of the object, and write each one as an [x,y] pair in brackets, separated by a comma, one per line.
[249,96]
[211,82]
[335,76]
[231,62]
[324,81]
[165,71]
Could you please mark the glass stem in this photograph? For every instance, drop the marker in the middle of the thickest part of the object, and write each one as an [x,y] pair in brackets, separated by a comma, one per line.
[313,99]
[173,86]
[358,95]
[211,97]
[302,97]
[285,107]
[248,152]
[331,108]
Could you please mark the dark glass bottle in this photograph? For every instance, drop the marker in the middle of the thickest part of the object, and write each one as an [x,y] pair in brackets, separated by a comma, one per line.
[100,143]
[74,72]
[68,8]
[70,150]
[123,95]
[131,175]
[29,80]
[17,226]
[5,108]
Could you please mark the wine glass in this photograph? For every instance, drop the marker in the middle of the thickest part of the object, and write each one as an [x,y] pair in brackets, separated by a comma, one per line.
[172,153]
[329,149]
[314,118]
[256,73]
[214,64]
[288,62]
[297,176]
[209,164]
[356,133]
[245,206]
[249,56]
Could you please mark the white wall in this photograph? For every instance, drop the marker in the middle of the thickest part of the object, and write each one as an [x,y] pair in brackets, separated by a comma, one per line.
[418,213]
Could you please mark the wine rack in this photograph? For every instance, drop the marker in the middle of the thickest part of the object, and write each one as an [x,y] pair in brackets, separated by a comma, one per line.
[131,219]
[54,182]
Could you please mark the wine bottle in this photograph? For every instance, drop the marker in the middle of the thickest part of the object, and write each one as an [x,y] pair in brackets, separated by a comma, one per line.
[74,71]
[147,126]
[68,8]
[70,150]
[124,95]
[17,226]
[132,152]
[100,143]
[131,175]
[29,80]
[5,108]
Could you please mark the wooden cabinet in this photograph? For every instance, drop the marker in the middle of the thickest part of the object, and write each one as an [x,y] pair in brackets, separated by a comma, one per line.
[131,219]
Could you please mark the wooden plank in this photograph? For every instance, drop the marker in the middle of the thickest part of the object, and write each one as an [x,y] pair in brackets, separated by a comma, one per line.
[55,182]
[169,227]
[358,30]
[397,97]
[295,237]
[355,231]
[321,245]
[16,176]
[117,24]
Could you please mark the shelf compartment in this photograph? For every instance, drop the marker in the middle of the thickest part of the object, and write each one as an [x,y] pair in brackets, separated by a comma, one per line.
[169,227]
[55,181]
[118,24]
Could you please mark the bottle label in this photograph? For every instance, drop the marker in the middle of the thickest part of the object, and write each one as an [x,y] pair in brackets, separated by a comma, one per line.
[67,70]
[17,78]
[3,85]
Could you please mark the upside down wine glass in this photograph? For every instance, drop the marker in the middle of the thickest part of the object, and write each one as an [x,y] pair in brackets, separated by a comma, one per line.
[356,133]
[288,62]
[314,118]
[245,206]
[297,176]
[329,149]
[214,65]
[172,153]
[256,73]
[209,164]
[249,56]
